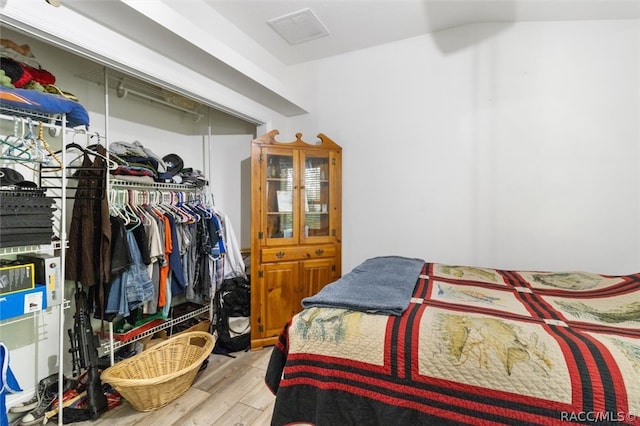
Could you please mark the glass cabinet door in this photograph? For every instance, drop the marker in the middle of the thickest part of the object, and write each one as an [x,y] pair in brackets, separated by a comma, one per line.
[315,195]
[281,195]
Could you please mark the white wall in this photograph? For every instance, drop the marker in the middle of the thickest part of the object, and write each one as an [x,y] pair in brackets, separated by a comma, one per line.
[492,145]
[228,154]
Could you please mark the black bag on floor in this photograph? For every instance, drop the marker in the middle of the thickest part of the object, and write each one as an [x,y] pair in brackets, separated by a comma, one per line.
[233,307]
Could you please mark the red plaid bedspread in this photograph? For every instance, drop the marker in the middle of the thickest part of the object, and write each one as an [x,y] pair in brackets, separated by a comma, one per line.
[475,346]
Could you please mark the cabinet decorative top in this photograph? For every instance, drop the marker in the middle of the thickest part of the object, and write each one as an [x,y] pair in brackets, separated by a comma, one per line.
[269,138]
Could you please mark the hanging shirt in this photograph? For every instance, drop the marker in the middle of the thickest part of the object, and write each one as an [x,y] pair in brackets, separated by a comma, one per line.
[156,253]
[133,287]
[219,247]
[178,284]
[120,253]
[234,264]
[164,267]
[192,258]
[89,253]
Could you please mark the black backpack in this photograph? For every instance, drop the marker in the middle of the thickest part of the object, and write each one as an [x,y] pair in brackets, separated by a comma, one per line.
[233,307]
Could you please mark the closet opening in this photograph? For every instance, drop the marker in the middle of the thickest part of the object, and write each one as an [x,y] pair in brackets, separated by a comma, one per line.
[211,144]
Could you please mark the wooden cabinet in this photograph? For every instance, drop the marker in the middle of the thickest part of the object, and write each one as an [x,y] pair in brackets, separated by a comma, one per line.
[296,227]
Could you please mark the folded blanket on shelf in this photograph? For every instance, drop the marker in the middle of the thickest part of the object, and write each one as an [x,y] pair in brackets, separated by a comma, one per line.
[44,103]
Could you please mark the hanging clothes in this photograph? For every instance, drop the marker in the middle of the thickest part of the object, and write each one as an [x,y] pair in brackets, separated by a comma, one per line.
[187,248]
[216,235]
[178,283]
[143,243]
[201,261]
[234,264]
[133,287]
[89,253]
[88,259]
[150,223]
[120,252]
[164,267]
[191,259]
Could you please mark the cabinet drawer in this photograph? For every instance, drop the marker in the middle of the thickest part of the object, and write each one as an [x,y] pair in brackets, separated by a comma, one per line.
[278,254]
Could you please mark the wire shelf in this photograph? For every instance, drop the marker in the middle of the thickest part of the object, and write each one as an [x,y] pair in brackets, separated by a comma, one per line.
[55,245]
[111,345]
[158,185]
[8,112]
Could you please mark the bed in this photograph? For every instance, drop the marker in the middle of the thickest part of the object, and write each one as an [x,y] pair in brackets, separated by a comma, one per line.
[472,346]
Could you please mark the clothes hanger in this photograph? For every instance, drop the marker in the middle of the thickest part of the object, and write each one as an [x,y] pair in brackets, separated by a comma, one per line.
[208,214]
[114,206]
[196,217]
[185,206]
[133,206]
[161,206]
[169,209]
[152,202]
[14,152]
[204,206]
[39,154]
[185,216]
[138,206]
[134,220]
[22,154]
[112,165]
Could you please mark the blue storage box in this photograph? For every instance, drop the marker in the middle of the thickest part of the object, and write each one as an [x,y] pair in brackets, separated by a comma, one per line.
[23,302]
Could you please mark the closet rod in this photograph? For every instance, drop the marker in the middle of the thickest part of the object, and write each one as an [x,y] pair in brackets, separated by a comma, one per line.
[123,91]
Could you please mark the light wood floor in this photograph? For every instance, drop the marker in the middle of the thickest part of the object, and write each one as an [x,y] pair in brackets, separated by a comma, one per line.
[231,391]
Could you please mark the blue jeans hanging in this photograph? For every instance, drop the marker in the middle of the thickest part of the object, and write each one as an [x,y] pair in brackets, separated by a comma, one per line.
[133,287]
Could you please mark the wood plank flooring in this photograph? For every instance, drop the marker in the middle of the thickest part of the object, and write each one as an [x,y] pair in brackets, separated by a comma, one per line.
[229,392]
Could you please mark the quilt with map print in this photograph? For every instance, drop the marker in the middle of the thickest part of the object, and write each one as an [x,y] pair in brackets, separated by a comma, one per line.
[475,346]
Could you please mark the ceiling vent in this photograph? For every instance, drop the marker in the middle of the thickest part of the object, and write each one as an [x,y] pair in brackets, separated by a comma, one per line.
[298,27]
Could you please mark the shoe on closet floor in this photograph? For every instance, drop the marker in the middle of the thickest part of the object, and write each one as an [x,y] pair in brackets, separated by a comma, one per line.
[45,386]
[38,415]
[45,395]
[23,407]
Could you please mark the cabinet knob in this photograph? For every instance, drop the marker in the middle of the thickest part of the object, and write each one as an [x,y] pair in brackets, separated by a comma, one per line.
[280,254]
[319,251]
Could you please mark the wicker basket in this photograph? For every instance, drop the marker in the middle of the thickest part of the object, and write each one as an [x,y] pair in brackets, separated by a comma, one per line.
[157,376]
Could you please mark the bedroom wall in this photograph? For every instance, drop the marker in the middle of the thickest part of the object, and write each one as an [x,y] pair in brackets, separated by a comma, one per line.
[511,146]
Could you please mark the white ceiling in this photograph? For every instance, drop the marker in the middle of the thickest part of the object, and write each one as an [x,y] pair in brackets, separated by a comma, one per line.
[352,24]
[358,24]
[231,43]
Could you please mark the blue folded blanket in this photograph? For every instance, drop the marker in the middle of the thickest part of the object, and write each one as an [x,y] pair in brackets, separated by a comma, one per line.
[381,285]
[46,103]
